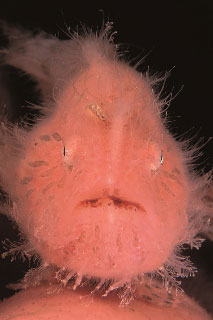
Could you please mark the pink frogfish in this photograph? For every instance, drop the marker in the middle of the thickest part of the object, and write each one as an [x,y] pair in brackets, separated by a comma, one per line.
[98,186]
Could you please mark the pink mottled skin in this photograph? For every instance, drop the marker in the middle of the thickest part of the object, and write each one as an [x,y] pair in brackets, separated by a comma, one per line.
[101,203]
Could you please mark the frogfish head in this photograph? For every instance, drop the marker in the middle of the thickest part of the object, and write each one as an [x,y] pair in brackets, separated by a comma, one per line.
[101,187]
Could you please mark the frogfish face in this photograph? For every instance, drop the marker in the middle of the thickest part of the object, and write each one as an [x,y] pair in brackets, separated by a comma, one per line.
[102,188]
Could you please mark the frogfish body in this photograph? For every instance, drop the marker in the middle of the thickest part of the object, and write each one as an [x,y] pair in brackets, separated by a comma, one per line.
[98,186]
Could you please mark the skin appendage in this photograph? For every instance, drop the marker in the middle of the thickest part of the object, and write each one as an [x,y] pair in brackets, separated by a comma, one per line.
[98,186]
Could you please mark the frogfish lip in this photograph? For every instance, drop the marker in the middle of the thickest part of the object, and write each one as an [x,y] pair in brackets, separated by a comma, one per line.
[114,201]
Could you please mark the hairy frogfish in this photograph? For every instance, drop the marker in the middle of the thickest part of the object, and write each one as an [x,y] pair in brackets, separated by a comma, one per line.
[100,189]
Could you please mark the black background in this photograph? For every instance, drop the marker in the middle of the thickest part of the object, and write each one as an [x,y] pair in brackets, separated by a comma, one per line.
[178,35]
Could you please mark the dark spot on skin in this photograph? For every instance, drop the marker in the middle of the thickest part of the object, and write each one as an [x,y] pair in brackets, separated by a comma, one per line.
[167,302]
[70,167]
[38,163]
[47,187]
[156,286]
[29,192]
[166,188]
[155,295]
[147,286]
[48,172]
[56,136]
[131,309]
[146,297]
[171,176]
[45,137]
[26,180]
[175,170]
[77,173]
